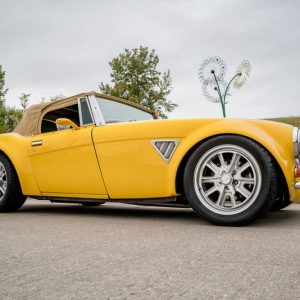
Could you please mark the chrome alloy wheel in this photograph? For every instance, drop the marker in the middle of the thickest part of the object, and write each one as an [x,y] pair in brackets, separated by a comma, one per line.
[227,179]
[3,181]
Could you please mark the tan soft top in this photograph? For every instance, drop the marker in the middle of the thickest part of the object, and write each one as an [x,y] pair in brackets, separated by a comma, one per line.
[30,123]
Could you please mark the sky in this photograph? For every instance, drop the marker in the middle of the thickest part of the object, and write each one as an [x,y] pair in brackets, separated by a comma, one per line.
[52,47]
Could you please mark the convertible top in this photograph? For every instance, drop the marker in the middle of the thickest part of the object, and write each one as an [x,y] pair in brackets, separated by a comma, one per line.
[30,123]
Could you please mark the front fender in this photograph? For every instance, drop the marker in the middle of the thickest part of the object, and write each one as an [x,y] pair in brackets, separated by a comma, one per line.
[275,137]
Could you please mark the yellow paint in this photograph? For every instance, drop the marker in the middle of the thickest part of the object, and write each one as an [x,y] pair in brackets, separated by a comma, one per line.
[66,163]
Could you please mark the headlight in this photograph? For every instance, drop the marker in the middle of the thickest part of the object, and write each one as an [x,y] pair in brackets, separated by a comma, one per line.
[296,145]
[296,142]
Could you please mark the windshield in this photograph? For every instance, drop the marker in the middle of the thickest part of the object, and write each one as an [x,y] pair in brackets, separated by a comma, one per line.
[114,111]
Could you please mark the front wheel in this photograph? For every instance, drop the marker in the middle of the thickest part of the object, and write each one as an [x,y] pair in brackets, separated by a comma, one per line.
[11,197]
[230,180]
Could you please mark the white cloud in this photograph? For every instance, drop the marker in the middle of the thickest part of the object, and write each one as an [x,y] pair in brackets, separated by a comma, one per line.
[51,47]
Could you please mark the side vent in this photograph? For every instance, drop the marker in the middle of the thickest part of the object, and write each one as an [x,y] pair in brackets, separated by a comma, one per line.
[165,148]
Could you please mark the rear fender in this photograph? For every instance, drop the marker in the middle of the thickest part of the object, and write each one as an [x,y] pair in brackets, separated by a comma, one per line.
[15,148]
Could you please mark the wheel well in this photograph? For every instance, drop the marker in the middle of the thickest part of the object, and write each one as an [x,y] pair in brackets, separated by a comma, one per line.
[283,187]
[12,165]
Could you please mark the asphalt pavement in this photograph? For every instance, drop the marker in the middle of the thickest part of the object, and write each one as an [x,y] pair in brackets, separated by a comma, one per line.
[117,251]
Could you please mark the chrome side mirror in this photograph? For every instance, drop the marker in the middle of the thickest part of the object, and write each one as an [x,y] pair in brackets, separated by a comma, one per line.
[63,123]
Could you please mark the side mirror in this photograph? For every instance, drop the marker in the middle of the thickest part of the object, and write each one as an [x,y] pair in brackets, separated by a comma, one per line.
[64,122]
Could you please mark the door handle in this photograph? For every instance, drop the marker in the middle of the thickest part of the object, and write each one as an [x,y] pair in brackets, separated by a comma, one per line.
[36,143]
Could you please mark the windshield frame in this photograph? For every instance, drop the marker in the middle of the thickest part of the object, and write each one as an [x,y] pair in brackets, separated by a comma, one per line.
[97,113]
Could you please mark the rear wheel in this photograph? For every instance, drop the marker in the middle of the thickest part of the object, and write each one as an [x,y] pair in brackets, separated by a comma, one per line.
[230,180]
[11,197]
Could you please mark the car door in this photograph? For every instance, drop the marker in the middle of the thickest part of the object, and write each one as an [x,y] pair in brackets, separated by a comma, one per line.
[131,166]
[65,164]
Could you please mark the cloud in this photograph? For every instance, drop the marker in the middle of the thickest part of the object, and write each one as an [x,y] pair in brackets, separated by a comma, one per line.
[51,47]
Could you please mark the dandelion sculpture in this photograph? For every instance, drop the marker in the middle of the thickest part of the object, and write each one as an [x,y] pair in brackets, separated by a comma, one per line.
[212,72]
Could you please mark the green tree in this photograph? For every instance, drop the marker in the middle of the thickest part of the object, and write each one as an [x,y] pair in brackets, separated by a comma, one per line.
[53,98]
[3,92]
[10,116]
[134,76]
[13,116]
[24,100]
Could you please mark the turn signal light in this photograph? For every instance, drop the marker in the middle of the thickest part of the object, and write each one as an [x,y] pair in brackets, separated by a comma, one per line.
[297,172]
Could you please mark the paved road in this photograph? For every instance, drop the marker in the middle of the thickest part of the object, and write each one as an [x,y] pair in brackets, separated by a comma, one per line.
[56,251]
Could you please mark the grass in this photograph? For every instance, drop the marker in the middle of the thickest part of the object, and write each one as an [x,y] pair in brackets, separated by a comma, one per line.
[295,121]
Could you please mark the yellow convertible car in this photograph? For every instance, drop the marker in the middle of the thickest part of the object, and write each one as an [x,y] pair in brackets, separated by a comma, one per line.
[92,148]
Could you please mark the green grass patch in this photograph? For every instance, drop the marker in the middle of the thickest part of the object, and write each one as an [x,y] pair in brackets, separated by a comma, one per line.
[295,121]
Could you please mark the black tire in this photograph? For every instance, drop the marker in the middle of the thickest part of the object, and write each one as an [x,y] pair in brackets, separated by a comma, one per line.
[90,204]
[12,198]
[280,203]
[263,195]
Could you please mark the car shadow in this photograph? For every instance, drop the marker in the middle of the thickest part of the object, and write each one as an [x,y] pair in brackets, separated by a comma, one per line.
[109,210]
[288,216]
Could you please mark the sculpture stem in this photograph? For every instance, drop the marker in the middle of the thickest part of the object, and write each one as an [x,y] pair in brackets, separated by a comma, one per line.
[220,96]
[225,94]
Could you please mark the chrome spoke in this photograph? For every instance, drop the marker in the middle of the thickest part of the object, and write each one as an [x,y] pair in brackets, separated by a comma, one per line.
[234,160]
[245,180]
[213,167]
[3,181]
[211,190]
[243,168]
[222,161]
[232,199]
[210,179]
[2,190]
[243,191]
[232,189]
[221,199]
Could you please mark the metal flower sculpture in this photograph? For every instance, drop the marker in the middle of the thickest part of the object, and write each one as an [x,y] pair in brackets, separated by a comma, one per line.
[212,72]
[212,67]
[244,70]
[210,90]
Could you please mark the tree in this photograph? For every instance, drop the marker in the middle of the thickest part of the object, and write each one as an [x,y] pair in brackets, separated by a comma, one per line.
[3,92]
[24,99]
[53,98]
[13,116]
[10,116]
[135,77]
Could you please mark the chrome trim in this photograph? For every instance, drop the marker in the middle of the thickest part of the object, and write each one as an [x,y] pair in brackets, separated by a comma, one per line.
[36,143]
[80,111]
[296,141]
[297,185]
[166,150]
[96,112]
